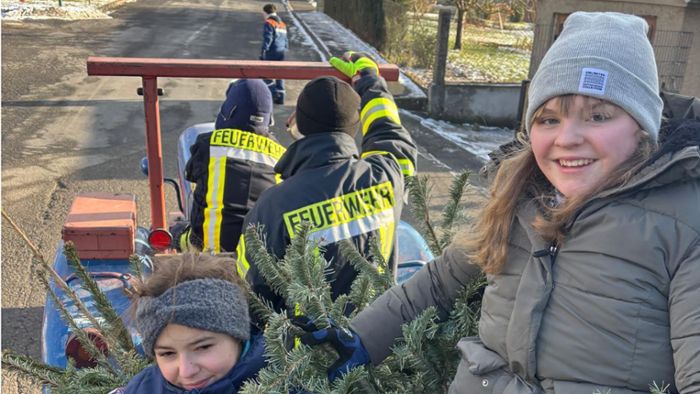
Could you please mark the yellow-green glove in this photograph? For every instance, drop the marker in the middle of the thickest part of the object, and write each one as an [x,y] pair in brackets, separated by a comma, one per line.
[355,64]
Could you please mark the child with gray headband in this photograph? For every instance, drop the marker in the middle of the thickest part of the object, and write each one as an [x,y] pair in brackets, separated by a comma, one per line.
[192,314]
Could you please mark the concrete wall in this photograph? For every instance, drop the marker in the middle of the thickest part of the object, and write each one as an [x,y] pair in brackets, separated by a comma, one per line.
[485,104]
[671,15]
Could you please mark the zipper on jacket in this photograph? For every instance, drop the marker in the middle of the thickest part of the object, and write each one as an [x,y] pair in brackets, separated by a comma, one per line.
[551,252]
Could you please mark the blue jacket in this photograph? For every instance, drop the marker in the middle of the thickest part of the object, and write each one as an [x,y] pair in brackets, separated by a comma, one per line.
[151,381]
[274,37]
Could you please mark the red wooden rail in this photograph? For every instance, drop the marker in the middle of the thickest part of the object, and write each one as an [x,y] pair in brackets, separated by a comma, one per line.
[149,69]
[192,68]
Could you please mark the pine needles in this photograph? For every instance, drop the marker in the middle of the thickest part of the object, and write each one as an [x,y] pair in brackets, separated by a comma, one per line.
[114,369]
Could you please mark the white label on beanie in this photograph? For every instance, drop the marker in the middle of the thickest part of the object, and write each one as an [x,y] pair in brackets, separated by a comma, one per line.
[593,80]
[256,119]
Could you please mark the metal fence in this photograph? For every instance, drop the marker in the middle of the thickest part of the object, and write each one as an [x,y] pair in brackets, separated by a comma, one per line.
[672,49]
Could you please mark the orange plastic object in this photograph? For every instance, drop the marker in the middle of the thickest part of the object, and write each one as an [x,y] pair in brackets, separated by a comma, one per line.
[102,225]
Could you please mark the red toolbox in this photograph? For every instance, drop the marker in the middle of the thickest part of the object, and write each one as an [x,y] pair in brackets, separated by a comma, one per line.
[102,225]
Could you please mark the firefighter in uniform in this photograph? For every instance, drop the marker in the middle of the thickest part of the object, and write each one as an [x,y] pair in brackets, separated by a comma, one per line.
[231,167]
[274,47]
[343,193]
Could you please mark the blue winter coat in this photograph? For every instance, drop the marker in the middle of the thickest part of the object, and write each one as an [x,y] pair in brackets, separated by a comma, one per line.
[151,381]
[274,38]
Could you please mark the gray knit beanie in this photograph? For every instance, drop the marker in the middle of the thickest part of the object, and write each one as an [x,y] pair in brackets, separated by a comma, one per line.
[605,55]
[207,304]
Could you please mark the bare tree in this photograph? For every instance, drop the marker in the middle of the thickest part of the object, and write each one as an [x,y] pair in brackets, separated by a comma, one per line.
[471,8]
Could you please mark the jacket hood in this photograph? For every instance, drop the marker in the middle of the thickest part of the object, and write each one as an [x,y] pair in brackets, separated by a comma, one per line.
[316,150]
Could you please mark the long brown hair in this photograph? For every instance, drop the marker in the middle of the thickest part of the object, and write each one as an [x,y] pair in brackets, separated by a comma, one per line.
[519,180]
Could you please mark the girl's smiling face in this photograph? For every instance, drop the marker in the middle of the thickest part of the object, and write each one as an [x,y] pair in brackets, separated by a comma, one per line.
[577,146]
[193,359]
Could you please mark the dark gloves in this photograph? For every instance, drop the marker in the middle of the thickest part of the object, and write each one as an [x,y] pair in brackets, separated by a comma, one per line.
[355,65]
[346,342]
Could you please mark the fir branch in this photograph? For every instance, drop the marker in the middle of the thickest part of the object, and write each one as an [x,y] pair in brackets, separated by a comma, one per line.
[114,327]
[655,389]
[361,292]
[419,190]
[312,303]
[30,368]
[39,258]
[467,308]
[82,336]
[416,337]
[378,260]
[307,267]
[349,252]
[273,272]
[261,308]
[23,235]
[89,381]
[135,266]
[340,306]
[451,212]
[354,381]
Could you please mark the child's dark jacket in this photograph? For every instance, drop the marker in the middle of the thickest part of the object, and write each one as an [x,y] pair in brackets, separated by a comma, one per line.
[151,381]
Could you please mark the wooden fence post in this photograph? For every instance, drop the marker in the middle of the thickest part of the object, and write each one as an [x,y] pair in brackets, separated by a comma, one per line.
[436,95]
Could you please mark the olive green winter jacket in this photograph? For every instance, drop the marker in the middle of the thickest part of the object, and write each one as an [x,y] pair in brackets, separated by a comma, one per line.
[616,307]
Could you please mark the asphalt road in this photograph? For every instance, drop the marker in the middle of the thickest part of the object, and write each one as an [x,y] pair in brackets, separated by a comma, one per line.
[64,132]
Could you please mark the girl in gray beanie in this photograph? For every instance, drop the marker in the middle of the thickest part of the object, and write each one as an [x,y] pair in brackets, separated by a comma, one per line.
[590,240]
[192,315]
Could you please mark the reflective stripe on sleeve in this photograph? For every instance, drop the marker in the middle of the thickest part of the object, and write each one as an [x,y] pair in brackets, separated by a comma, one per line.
[386,241]
[407,167]
[378,108]
[242,264]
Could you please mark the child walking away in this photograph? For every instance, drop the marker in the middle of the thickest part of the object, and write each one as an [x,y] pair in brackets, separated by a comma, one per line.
[274,47]
[590,240]
[192,314]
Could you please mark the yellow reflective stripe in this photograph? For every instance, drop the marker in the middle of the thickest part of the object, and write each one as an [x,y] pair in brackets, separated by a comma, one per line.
[407,167]
[374,152]
[242,265]
[184,242]
[211,228]
[240,139]
[379,108]
[278,178]
[386,241]
[297,312]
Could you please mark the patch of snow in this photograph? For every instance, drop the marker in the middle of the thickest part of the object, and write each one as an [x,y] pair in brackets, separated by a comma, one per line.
[477,140]
[70,10]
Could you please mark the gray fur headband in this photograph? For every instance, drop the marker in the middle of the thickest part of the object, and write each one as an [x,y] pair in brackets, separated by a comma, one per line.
[207,304]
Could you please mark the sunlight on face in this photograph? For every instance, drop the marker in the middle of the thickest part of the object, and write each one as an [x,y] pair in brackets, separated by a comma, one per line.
[191,358]
[579,149]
